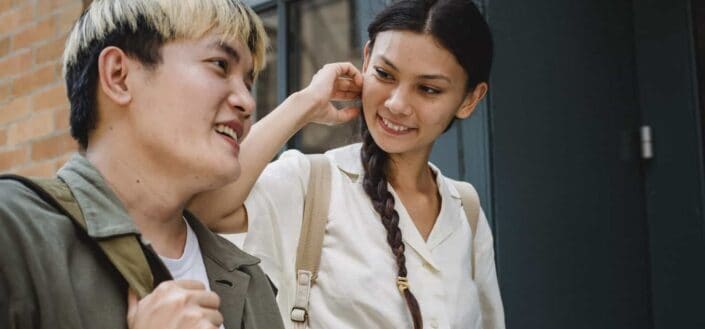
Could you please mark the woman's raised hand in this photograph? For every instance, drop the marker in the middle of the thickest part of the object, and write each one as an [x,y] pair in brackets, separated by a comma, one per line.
[340,82]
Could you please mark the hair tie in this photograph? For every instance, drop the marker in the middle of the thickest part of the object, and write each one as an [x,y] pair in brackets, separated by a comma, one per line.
[402,284]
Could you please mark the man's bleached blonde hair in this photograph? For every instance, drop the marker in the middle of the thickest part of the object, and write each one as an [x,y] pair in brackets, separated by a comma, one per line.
[140,28]
[172,20]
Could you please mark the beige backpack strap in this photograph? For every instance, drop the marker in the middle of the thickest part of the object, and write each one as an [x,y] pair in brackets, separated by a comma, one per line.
[313,227]
[124,252]
[471,204]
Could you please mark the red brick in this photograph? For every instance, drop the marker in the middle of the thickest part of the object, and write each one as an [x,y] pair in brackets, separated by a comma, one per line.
[34,80]
[5,89]
[49,52]
[51,98]
[37,125]
[18,62]
[12,158]
[5,5]
[61,161]
[14,110]
[4,47]
[42,30]
[53,146]
[42,169]
[69,14]
[17,17]
[47,6]
[61,118]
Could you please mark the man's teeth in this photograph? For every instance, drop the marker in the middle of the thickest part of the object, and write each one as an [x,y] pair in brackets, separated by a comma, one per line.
[393,126]
[223,129]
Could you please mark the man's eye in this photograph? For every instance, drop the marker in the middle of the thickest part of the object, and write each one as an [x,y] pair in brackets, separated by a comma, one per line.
[222,64]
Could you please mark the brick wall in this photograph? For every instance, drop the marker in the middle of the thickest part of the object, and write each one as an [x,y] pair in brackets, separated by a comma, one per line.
[34,132]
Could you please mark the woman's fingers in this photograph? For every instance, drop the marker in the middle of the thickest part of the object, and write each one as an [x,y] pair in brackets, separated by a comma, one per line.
[346,69]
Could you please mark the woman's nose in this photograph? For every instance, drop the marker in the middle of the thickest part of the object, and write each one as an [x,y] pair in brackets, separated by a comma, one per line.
[397,102]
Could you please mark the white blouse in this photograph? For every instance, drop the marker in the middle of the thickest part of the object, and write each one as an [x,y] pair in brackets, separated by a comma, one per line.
[356,285]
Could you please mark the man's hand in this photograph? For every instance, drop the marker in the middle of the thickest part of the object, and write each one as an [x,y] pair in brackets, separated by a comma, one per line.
[175,304]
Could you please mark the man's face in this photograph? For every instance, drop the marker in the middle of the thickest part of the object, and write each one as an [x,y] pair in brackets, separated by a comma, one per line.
[190,111]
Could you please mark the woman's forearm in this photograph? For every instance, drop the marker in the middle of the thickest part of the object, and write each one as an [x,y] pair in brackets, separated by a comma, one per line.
[221,209]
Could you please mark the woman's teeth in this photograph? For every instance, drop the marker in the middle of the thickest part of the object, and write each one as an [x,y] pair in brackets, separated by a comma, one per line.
[394,127]
[225,130]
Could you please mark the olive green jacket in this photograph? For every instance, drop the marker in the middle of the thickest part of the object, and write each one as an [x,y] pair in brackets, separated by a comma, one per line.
[52,275]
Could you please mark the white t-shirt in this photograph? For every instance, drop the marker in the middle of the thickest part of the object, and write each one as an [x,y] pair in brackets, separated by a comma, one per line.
[190,265]
[356,285]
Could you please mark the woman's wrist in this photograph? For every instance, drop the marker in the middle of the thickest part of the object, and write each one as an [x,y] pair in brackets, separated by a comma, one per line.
[303,107]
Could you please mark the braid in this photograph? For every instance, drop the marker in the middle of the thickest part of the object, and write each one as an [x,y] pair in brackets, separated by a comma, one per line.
[374,160]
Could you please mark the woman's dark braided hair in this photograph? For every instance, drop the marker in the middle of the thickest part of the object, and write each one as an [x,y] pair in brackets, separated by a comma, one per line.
[459,27]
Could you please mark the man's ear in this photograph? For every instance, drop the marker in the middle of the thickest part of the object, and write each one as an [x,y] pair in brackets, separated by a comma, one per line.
[471,100]
[113,66]
[366,57]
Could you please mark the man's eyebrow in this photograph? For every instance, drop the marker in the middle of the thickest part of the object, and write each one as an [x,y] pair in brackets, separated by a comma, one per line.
[424,76]
[227,49]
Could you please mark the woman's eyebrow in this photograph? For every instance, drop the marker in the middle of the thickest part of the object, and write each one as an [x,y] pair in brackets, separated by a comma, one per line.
[435,77]
[423,76]
[388,62]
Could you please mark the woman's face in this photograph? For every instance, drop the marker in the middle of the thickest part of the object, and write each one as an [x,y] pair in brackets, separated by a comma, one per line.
[412,90]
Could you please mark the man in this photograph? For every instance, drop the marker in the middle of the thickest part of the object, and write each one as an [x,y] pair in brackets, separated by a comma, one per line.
[160,96]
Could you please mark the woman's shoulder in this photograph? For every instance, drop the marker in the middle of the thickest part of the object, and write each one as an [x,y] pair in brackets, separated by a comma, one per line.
[347,159]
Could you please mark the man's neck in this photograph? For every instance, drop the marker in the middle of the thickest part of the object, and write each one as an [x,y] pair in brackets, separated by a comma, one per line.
[154,202]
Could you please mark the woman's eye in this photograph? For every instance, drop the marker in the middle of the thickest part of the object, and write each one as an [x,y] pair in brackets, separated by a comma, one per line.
[382,74]
[429,90]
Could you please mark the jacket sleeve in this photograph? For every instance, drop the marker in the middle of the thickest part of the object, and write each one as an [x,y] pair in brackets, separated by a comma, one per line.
[4,302]
[18,306]
[486,277]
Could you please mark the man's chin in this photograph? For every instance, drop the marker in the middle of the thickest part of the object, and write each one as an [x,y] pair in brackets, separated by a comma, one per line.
[225,178]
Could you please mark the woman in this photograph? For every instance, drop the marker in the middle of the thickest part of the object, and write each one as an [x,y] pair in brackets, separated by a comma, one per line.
[393,217]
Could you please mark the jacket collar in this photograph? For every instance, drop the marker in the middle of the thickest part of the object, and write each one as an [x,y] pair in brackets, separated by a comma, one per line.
[104,213]
[223,263]
[106,216]
[221,251]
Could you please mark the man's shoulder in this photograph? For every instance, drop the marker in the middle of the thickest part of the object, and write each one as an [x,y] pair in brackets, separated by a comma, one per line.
[14,194]
[20,206]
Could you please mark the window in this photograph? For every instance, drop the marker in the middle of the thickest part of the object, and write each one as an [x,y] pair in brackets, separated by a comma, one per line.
[265,89]
[316,32]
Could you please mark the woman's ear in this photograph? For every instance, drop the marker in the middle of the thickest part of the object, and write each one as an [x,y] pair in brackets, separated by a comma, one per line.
[112,74]
[471,100]
[366,57]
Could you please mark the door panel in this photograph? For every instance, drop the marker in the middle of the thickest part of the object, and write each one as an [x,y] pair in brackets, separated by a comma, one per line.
[566,177]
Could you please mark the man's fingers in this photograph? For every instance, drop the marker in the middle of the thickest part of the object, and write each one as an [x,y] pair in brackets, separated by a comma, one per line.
[189,284]
[131,307]
[206,299]
[213,316]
